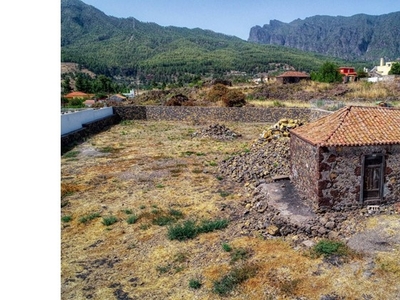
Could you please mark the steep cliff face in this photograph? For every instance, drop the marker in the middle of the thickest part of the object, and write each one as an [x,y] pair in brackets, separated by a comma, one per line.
[360,36]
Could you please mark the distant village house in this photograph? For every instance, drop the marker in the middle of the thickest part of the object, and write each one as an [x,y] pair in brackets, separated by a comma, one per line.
[292,77]
[349,74]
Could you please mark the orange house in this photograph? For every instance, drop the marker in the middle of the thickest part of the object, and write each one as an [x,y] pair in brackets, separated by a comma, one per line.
[349,74]
[77,94]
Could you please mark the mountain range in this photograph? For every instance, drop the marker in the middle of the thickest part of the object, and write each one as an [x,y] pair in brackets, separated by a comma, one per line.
[360,37]
[148,52]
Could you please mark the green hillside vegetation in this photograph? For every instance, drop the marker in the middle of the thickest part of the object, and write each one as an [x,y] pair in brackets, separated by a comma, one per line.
[151,55]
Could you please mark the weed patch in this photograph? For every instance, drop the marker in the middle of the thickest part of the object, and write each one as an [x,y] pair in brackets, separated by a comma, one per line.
[195,284]
[132,219]
[66,219]
[89,217]
[227,283]
[328,247]
[189,229]
[109,220]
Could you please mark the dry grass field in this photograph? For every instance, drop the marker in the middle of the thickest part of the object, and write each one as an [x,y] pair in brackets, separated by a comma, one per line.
[130,194]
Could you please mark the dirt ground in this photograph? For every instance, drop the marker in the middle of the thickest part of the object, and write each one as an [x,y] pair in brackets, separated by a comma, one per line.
[151,172]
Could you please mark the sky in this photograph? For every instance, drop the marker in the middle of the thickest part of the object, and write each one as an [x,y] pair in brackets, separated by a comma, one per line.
[236,17]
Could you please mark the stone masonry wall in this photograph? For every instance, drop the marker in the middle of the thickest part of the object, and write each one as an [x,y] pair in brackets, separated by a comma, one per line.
[199,114]
[304,169]
[339,181]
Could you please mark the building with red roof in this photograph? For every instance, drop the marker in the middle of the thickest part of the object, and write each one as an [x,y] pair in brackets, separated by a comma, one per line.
[349,158]
[292,77]
[349,74]
[77,94]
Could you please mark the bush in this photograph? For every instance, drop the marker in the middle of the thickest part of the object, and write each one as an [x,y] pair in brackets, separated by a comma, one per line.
[189,230]
[109,220]
[327,248]
[76,103]
[182,232]
[66,219]
[132,219]
[216,92]
[226,247]
[236,276]
[195,284]
[88,218]
[234,98]
[329,72]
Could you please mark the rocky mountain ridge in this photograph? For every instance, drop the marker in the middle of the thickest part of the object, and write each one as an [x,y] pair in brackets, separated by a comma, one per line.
[361,36]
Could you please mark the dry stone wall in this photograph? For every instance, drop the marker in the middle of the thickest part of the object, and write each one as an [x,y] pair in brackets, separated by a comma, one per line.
[200,114]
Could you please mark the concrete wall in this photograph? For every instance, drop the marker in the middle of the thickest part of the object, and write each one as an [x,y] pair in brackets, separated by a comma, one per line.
[73,121]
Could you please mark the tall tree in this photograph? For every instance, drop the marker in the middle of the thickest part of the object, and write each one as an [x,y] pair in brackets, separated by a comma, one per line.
[329,72]
[395,69]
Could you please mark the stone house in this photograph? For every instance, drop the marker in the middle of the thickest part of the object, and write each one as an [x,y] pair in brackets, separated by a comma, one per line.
[292,77]
[348,159]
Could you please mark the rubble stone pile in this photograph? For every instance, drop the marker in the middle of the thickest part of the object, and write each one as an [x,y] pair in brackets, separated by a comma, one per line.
[266,159]
[217,131]
[281,128]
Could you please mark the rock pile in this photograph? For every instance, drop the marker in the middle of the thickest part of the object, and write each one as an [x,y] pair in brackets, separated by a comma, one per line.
[217,131]
[266,159]
[281,128]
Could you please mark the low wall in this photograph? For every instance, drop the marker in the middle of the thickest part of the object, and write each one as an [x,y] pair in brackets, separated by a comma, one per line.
[77,130]
[88,129]
[74,121]
[214,114]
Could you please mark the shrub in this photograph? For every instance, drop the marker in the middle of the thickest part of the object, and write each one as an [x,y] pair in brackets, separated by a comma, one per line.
[66,219]
[132,219]
[236,276]
[226,247]
[88,218]
[109,220]
[209,226]
[189,229]
[216,92]
[328,247]
[234,98]
[182,232]
[195,284]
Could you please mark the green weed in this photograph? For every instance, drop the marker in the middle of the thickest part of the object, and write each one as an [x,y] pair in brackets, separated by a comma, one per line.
[88,218]
[238,275]
[109,220]
[189,229]
[226,247]
[195,284]
[132,219]
[328,247]
[66,219]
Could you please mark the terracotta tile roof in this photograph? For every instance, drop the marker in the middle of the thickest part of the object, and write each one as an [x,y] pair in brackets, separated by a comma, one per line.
[76,94]
[293,74]
[353,126]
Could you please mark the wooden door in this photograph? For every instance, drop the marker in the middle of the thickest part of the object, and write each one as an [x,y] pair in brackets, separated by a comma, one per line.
[372,178]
